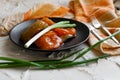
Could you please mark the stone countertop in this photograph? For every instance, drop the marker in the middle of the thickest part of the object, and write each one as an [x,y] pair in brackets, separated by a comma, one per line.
[105,69]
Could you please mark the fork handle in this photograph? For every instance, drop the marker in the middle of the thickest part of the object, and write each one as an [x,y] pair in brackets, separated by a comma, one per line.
[96,34]
[113,38]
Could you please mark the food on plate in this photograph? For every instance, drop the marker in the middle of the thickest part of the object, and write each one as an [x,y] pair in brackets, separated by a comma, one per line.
[54,38]
[49,41]
[50,35]
[48,21]
[65,34]
[32,30]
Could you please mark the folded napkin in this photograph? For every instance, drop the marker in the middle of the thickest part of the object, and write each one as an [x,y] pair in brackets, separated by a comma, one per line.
[81,10]
[84,9]
[37,11]
[105,12]
[46,10]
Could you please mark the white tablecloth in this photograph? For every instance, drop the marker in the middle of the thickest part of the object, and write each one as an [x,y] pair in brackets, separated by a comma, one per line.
[105,69]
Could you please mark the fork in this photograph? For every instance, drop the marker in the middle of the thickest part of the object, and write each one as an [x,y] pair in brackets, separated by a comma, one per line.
[92,29]
[97,25]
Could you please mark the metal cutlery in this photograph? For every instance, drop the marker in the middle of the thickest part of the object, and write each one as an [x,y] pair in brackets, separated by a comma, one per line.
[92,29]
[97,24]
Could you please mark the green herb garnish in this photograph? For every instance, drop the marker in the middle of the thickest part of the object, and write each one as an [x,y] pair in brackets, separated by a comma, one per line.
[55,64]
[62,24]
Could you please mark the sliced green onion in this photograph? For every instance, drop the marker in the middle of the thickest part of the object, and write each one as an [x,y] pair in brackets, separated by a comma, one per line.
[54,64]
[62,24]
[93,46]
[71,54]
[21,61]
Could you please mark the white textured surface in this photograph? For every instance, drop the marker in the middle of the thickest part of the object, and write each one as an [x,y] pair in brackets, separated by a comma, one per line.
[103,70]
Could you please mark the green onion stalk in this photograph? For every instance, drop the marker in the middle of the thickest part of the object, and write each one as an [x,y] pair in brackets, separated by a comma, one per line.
[55,64]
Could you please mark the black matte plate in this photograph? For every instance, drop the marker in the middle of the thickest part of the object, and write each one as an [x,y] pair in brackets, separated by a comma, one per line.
[82,34]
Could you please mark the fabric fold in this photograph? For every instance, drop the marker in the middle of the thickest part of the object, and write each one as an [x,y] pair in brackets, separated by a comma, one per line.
[80,10]
[104,11]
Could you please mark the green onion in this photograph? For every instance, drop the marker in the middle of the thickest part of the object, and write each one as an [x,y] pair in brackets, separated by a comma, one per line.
[81,62]
[62,24]
[93,46]
[45,63]
[21,61]
[54,64]
[71,54]
[63,64]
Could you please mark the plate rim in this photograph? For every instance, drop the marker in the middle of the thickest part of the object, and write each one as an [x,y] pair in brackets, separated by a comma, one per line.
[54,49]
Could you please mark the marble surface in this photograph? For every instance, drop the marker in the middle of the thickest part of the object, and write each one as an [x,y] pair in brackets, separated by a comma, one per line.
[105,69]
